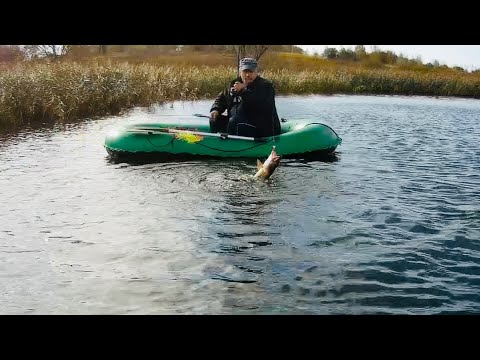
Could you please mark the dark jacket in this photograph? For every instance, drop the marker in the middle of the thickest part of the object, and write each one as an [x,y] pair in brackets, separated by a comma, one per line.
[256,103]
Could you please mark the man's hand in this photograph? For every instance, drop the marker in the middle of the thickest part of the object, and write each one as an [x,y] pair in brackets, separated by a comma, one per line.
[214,114]
[238,86]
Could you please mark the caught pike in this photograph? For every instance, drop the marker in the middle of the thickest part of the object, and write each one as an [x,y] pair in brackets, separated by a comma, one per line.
[266,169]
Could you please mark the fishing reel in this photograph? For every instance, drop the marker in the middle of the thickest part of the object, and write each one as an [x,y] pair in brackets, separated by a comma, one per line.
[235,95]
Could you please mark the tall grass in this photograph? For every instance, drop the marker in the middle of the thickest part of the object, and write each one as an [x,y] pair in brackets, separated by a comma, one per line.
[64,91]
[55,92]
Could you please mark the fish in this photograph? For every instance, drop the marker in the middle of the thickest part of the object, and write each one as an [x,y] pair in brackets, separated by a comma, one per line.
[265,170]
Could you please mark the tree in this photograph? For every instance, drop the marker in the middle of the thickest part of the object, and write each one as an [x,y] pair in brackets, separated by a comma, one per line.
[330,53]
[48,51]
[346,54]
[259,50]
[360,52]
[286,48]
[255,51]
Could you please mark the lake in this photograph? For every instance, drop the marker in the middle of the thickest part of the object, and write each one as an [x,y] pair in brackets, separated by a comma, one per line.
[391,226]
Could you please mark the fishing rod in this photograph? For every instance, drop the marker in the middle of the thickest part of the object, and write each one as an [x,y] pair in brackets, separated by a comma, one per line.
[208,117]
[224,136]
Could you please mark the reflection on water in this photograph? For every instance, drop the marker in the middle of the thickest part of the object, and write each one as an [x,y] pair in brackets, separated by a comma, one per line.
[151,158]
[389,224]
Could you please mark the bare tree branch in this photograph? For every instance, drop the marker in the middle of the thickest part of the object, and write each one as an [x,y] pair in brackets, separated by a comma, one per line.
[255,51]
[260,50]
[48,51]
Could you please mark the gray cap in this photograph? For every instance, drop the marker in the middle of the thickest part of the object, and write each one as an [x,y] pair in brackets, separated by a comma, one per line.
[248,64]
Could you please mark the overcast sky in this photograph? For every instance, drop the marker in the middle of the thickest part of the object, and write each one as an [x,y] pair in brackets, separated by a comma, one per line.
[466,56]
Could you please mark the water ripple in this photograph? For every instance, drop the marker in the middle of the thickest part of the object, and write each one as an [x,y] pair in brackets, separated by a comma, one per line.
[389,225]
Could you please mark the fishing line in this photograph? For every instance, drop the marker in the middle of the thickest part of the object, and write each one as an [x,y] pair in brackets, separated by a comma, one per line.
[159,146]
[326,126]
[253,147]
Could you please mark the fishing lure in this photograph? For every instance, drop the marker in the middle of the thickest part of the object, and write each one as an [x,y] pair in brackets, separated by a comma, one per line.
[189,138]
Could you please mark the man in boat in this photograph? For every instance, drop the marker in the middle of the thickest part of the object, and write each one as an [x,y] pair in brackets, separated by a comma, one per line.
[250,103]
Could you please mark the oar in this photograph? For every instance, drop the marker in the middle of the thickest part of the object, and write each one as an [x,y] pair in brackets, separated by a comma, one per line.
[201,133]
[208,117]
[179,115]
[201,115]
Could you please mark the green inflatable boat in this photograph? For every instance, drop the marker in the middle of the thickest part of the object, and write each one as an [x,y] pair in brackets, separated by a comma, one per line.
[301,138]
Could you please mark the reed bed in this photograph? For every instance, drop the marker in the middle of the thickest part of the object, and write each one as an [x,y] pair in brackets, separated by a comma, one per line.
[60,91]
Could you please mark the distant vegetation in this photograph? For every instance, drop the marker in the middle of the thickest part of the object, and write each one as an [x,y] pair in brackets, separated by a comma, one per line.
[46,83]
[357,56]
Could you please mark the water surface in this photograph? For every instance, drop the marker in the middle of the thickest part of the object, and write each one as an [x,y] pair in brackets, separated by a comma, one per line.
[391,227]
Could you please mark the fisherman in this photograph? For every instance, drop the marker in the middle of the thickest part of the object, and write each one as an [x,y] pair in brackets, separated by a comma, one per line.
[250,104]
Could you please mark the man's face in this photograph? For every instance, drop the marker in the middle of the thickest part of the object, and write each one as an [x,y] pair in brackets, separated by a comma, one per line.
[248,76]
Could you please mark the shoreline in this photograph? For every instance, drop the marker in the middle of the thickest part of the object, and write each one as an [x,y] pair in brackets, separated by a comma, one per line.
[64,91]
